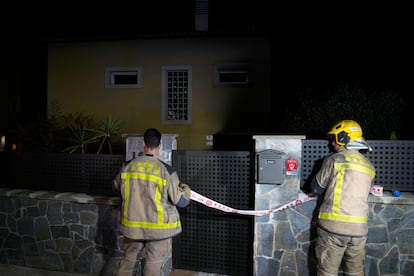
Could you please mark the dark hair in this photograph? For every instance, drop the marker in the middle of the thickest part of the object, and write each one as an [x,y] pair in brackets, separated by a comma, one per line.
[152,138]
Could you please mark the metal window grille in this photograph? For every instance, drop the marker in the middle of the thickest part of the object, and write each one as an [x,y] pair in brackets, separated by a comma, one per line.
[177,95]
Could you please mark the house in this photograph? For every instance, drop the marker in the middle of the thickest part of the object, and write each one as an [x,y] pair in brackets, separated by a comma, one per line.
[117,63]
[191,85]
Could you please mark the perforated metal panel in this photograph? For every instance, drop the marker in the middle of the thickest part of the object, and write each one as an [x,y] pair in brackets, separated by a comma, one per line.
[313,152]
[100,173]
[212,240]
[62,172]
[393,160]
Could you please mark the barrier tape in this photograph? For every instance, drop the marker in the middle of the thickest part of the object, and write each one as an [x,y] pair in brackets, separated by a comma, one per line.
[216,205]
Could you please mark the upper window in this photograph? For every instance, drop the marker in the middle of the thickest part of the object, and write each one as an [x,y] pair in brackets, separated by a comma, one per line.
[231,75]
[176,90]
[123,77]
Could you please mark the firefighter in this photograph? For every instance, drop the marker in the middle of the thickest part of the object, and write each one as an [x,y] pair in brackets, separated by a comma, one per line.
[150,191]
[344,182]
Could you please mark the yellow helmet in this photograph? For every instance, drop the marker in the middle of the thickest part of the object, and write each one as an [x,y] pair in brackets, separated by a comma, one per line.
[345,131]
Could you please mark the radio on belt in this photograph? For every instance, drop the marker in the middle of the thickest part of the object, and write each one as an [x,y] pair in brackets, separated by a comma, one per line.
[270,167]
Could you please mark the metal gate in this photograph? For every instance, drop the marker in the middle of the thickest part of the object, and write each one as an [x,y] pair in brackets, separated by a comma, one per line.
[215,241]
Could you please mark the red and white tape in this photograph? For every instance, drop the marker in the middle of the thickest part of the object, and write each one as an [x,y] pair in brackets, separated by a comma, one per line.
[216,205]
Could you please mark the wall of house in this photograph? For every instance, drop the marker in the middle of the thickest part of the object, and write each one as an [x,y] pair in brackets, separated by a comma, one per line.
[76,83]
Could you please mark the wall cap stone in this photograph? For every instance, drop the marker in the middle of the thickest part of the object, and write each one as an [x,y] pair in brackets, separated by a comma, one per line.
[65,196]
[406,198]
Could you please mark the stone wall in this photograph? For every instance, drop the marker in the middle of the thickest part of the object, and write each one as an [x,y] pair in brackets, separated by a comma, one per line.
[59,231]
[284,240]
[78,233]
[390,249]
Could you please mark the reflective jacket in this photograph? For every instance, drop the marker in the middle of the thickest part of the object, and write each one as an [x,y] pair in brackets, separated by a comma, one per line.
[346,177]
[150,194]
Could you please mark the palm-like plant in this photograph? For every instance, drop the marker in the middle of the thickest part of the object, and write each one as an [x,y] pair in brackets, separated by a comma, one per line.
[107,129]
[80,127]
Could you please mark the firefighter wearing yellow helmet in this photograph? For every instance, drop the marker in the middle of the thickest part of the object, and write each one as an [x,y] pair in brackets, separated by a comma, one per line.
[344,182]
[348,133]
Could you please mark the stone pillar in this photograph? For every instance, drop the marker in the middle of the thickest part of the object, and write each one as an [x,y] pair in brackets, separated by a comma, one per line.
[274,243]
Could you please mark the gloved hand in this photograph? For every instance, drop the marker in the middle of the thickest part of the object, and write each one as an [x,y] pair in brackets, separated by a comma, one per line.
[185,188]
[183,185]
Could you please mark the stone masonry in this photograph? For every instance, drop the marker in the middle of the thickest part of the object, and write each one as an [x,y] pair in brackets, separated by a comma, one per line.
[78,233]
[59,232]
[285,239]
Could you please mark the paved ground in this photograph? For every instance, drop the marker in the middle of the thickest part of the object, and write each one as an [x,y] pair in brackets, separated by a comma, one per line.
[13,270]
[180,272]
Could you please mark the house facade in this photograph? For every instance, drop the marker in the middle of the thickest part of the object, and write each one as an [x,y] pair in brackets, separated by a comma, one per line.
[194,86]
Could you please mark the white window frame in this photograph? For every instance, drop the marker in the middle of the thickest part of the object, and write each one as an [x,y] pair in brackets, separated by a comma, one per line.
[165,94]
[238,68]
[112,72]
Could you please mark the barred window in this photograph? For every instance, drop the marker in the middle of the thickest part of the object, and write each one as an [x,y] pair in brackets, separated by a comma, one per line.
[176,94]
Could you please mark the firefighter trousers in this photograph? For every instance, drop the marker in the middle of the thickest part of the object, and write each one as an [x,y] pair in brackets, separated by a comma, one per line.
[155,253]
[334,252]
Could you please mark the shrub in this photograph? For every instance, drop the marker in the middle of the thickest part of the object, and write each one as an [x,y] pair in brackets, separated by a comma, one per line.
[378,112]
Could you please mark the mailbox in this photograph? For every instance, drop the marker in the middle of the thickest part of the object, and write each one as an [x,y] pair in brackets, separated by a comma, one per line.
[270,165]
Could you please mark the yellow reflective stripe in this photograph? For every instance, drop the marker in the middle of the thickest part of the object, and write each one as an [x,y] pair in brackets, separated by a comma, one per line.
[342,217]
[126,192]
[158,201]
[160,184]
[143,176]
[152,225]
[356,167]
[358,163]
[334,215]
[145,167]
[338,190]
